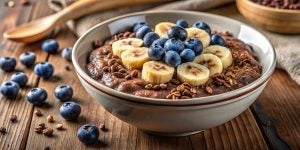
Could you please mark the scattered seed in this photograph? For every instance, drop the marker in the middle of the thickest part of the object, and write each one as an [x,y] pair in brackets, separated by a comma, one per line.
[118,75]
[2,130]
[50,118]
[38,130]
[127,77]
[42,126]
[38,113]
[156,87]
[163,86]
[208,90]
[149,86]
[59,126]
[102,126]
[105,69]
[193,90]
[134,73]
[13,118]
[48,132]
[123,71]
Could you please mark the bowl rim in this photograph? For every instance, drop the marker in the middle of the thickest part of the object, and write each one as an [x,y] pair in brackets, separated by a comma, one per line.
[178,102]
[266,8]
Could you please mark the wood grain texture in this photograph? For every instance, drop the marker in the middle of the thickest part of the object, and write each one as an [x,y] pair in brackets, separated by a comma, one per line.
[280,101]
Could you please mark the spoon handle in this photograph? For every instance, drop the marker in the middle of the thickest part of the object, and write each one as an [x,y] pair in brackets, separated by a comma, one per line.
[84,7]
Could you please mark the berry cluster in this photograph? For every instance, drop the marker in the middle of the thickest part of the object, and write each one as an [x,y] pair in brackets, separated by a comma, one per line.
[177,48]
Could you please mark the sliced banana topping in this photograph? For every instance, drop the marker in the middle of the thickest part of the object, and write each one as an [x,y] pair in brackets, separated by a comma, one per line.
[118,47]
[202,35]
[135,58]
[222,52]
[212,62]
[157,72]
[193,73]
[162,29]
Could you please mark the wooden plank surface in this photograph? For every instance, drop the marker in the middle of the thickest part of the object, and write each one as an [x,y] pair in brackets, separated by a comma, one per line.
[240,133]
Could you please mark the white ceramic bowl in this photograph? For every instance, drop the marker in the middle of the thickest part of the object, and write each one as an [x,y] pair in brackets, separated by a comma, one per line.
[174,117]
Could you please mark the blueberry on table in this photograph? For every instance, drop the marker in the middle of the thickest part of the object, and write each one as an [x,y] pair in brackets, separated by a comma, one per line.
[27,59]
[217,39]
[67,53]
[20,78]
[138,25]
[44,69]
[70,110]
[9,89]
[88,134]
[50,46]
[141,32]
[177,32]
[8,64]
[182,23]
[156,52]
[194,44]
[187,55]
[161,42]
[63,92]
[149,38]
[202,25]
[174,45]
[172,58]
[37,96]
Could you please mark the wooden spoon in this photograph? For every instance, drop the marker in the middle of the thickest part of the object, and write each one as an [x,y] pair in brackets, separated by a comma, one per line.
[37,29]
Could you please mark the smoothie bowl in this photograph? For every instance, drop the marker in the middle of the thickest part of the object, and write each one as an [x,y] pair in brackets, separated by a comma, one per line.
[170,76]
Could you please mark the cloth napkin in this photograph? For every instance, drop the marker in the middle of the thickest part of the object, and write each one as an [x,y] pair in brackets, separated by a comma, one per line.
[287,46]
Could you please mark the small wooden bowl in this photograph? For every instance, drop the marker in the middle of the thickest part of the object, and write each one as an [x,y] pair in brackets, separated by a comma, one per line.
[272,19]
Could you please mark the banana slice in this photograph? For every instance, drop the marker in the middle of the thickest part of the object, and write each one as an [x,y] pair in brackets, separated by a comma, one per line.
[135,58]
[157,72]
[212,62]
[222,52]
[193,73]
[120,46]
[202,35]
[162,29]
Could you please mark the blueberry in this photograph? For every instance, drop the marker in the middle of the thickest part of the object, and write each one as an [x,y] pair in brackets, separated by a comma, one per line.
[88,134]
[161,42]
[70,110]
[138,25]
[174,45]
[177,32]
[63,92]
[182,23]
[194,44]
[156,52]
[37,96]
[44,69]
[28,59]
[7,64]
[217,39]
[149,38]
[20,78]
[9,89]
[141,32]
[202,25]
[50,46]
[187,55]
[67,53]
[172,58]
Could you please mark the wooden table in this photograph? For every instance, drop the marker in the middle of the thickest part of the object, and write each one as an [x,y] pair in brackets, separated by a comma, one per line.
[278,108]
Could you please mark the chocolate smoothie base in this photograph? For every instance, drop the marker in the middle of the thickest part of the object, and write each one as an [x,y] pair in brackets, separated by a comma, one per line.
[108,69]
